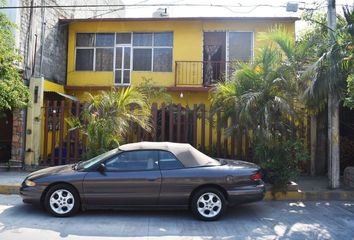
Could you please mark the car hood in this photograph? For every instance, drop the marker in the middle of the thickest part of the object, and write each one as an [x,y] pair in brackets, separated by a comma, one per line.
[51,171]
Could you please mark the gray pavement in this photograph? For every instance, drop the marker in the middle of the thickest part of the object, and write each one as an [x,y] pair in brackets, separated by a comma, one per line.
[263,220]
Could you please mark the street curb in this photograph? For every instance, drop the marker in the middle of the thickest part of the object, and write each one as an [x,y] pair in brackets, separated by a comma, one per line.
[310,195]
[269,196]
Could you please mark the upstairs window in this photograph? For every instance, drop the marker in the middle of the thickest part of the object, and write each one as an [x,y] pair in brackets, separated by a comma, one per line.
[241,46]
[152,51]
[94,52]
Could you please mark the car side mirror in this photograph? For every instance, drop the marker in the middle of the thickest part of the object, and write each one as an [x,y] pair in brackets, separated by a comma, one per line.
[101,168]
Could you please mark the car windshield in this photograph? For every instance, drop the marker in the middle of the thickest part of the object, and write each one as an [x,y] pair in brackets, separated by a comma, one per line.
[93,161]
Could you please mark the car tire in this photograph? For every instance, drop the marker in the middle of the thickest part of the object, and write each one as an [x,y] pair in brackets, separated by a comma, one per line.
[62,200]
[208,204]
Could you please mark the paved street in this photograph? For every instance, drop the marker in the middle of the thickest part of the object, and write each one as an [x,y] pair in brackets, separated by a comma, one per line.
[264,220]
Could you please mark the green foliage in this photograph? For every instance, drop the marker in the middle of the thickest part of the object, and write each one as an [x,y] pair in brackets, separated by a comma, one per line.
[349,100]
[348,61]
[262,95]
[153,92]
[330,64]
[13,93]
[264,98]
[106,117]
[280,160]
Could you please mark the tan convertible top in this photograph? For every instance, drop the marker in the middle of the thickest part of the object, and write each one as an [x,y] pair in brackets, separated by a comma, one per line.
[188,155]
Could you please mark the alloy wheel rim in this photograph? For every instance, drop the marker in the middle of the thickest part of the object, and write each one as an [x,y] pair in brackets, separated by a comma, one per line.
[61,201]
[209,205]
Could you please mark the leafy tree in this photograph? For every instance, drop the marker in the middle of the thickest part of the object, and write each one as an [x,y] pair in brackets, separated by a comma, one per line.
[106,117]
[348,60]
[328,59]
[13,93]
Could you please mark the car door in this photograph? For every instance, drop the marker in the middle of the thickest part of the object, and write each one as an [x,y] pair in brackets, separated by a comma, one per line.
[130,178]
[177,181]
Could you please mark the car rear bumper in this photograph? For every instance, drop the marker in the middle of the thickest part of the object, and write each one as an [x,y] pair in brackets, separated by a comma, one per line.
[31,195]
[246,194]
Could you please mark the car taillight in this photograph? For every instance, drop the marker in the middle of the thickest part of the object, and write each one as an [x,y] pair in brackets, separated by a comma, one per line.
[256,177]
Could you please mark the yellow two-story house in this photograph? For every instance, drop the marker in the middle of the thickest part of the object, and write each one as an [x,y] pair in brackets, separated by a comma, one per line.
[186,55]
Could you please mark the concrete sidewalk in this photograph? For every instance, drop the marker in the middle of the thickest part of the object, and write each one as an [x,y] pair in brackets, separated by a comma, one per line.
[310,188]
[313,188]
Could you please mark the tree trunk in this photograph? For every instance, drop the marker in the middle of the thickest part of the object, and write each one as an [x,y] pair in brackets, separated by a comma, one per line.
[333,107]
[333,141]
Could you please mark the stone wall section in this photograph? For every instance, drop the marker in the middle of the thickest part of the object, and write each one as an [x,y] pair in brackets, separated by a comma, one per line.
[18,139]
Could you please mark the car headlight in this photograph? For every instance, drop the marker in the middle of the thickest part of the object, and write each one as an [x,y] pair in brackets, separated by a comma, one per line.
[30,183]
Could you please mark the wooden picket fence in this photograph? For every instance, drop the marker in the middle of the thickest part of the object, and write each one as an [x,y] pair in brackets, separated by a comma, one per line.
[60,144]
[196,125]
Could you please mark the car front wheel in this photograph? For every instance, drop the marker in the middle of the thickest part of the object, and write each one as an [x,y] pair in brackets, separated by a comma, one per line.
[62,200]
[208,204]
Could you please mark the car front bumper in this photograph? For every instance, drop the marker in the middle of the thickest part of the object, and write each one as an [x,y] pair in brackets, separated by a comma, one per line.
[31,195]
[246,194]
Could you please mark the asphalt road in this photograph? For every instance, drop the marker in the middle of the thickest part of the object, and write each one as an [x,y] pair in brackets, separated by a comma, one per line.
[263,220]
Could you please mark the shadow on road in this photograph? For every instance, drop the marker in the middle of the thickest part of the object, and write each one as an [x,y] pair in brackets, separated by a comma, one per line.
[281,220]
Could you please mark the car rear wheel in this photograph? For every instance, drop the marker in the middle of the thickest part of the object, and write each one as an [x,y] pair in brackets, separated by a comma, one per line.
[208,204]
[62,200]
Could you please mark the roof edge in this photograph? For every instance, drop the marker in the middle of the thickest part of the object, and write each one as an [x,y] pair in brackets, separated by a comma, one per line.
[70,20]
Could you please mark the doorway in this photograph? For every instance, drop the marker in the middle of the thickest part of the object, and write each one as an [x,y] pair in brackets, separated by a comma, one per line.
[5,136]
[214,56]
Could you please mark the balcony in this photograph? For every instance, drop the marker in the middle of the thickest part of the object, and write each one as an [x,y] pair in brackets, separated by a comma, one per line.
[202,73]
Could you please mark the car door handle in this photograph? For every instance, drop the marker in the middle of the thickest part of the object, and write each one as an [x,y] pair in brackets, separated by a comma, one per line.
[152,179]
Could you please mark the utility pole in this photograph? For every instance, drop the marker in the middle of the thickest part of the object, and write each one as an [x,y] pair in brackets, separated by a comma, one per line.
[333,108]
[42,37]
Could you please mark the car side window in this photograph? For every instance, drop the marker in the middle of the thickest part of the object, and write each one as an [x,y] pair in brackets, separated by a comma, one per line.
[168,161]
[133,161]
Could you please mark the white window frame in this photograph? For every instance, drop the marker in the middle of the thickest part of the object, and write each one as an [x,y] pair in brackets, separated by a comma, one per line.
[123,45]
[94,47]
[152,47]
[228,50]
[228,45]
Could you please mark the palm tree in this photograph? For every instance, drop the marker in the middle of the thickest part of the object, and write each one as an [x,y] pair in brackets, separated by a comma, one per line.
[264,99]
[263,95]
[106,117]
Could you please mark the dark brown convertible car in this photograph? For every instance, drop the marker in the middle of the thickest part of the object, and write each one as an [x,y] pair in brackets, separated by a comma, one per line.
[146,174]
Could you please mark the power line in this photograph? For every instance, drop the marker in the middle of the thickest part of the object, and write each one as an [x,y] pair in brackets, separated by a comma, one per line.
[239,5]
[141,5]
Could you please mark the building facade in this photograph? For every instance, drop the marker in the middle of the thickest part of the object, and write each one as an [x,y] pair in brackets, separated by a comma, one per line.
[68,51]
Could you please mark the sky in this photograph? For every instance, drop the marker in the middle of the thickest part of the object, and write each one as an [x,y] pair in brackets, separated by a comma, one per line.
[238,8]
[210,8]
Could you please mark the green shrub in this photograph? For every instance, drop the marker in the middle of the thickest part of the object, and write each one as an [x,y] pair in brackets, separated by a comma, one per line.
[280,160]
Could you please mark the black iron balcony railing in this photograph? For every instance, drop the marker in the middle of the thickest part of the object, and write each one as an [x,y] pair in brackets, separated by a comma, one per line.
[203,73]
